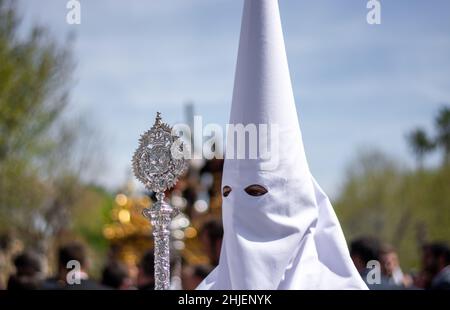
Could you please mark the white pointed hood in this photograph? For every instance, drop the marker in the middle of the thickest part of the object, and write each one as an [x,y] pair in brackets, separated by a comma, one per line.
[289,237]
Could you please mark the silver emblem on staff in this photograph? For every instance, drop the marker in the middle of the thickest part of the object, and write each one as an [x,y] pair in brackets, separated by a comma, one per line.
[158,163]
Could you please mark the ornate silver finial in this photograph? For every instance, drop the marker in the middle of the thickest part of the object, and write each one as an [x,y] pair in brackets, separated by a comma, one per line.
[158,163]
[158,118]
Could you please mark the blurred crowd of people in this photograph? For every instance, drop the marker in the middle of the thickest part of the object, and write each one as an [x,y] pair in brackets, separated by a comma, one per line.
[378,264]
[72,268]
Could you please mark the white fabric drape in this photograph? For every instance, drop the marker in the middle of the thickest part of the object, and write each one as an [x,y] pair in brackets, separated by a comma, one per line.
[289,238]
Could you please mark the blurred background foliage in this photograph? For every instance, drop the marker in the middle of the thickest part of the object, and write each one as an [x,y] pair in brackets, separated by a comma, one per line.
[380,196]
[43,152]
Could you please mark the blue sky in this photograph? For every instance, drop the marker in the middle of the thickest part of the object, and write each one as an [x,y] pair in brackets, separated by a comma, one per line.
[356,85]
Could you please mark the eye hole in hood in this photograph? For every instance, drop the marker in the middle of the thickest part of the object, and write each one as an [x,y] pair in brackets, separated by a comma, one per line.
[255,190]
[226,190]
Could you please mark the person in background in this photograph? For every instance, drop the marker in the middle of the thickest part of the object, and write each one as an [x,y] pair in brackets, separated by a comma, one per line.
[28,272]
[390,267]
[146,272]
[73,252]
[436,262]
[421,280]
[363,250]
[5,246]
[211,234]
[194,275]
[115,275]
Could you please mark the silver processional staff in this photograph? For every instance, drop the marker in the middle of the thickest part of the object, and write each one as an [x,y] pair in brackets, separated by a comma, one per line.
[158,162]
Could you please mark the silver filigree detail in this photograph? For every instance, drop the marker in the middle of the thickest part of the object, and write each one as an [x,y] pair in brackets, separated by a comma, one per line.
[158,163]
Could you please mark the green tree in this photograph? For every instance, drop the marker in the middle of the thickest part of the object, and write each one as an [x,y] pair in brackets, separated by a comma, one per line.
[442,125]
[33,87]
[399,206]
[40,179]
[420,145]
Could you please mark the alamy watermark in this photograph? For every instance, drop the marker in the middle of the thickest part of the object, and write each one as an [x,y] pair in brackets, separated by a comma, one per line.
[249,141]
[373,275]
[73,16]
[73,276]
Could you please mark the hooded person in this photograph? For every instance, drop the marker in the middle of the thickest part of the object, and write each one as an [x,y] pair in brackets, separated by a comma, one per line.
[280,230]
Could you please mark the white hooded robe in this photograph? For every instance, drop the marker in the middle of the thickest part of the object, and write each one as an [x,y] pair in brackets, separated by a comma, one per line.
[290,237]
